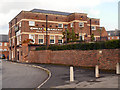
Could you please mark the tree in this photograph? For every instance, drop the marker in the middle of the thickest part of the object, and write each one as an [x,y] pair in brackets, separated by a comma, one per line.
[92,37]
[70,35]
[74,37]
[67,34]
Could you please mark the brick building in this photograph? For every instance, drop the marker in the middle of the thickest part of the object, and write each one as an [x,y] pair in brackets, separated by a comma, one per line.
[4,51]
[113,34]
[32,25]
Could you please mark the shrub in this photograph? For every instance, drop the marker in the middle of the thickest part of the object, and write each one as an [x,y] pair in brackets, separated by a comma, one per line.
[113,44]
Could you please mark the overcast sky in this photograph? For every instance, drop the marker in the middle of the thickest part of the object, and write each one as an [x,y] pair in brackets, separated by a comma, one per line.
[105,10]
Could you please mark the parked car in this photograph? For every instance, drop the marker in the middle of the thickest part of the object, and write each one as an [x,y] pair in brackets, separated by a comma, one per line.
[2,56]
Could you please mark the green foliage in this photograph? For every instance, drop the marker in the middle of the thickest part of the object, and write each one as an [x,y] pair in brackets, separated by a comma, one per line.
[71,36]
[113,44]
[92,37]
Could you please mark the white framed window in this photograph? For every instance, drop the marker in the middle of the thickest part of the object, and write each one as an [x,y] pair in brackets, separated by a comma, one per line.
[20,24]
[31,23]
[20,38]
[109,34]
[0,44]
[1,49]
[60,40]
[12,54]
[52,39]
[82,37]
[32,36]
[93,27]
[81,24]
[112,37]
[72,25]
[5,49]
[117,37]
[17,40]
[5,44]
[40,39]
[95,38]
[108,38]
[60,25]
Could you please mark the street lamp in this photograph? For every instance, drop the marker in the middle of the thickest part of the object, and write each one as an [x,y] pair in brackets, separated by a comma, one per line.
[90,29]
[65,26]
[46,31]
[100,32]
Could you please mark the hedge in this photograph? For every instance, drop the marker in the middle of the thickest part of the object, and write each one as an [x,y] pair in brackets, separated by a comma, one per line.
[113,44]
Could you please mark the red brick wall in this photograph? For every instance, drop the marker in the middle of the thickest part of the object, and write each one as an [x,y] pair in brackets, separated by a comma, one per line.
[107,59]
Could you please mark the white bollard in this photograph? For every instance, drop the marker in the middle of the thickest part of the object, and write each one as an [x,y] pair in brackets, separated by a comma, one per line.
[117,68]
[97,71]
[71,74]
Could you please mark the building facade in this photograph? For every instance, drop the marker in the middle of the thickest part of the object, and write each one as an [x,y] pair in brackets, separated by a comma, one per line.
[31,25]
[4,50]
[113,34]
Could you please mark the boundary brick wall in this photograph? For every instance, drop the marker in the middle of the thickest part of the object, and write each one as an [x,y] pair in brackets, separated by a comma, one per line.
[106,60]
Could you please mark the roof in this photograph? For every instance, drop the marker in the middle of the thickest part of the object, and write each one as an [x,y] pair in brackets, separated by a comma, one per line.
[4,38]
[114,33]
[50,12]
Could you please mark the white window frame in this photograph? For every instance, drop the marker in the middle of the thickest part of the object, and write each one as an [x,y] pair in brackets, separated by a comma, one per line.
[54,39]
[18,40]
[108,38]
[5,49]
[112,37]
[117,37]
[109,34]
[5,44]
[72,25]
[62,39]
[95,38]
[38,39]
[94,28]
[61,26]
[12,54]
[81,23]
[1,49]
[31,23]
[0,43]
[20,24]
[31,38]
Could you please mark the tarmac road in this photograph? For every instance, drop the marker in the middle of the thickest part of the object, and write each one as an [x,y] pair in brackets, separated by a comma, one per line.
[21,76]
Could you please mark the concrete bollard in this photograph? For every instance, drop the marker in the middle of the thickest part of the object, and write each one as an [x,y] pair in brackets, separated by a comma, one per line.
[97,71]
[117,68]
[71,74]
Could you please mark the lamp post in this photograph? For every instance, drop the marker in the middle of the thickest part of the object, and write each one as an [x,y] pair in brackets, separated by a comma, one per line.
[90,29]
[100,32]
[46,32]
[66,33]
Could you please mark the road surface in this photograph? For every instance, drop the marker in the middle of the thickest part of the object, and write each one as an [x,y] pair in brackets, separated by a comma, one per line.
[21,76]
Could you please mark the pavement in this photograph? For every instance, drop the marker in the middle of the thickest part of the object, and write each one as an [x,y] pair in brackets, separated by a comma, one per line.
[107,82]
[16,75]
[84,78]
